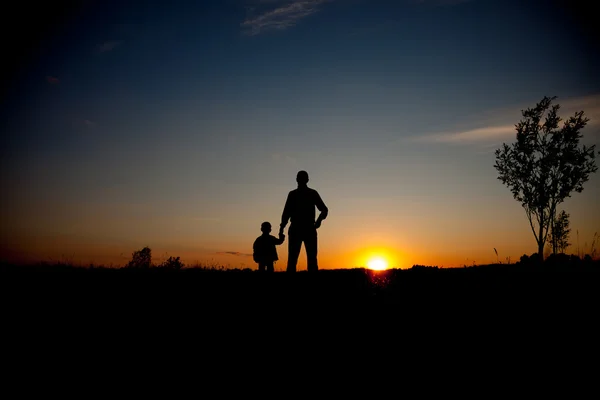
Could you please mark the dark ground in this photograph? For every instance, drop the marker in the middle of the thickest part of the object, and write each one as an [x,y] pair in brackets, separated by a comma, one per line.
[512,319]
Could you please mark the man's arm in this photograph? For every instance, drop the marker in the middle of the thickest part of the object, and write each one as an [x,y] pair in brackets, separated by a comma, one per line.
[285,216]
[324,211]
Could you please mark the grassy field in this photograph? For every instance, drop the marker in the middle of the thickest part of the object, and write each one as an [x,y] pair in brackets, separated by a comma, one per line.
[415,287]
[494,311]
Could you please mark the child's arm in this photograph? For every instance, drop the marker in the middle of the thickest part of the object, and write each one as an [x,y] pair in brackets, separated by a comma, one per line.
[280,240]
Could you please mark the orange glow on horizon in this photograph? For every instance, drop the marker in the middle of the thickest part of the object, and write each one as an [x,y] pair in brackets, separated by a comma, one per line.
[334,254]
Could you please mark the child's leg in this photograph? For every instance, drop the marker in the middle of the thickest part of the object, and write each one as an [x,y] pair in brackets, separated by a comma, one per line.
[270,267]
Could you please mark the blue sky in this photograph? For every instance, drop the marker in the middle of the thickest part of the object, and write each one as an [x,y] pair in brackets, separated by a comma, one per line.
[181,126]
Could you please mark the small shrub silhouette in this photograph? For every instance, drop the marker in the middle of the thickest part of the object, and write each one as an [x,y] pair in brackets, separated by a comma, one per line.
[141,258]
[423,267]
[172,263]
[535,259]
[558,259]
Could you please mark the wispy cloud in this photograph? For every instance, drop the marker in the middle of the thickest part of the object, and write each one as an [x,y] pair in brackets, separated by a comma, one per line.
[109,45]
[278,15]
[52,80]
[234,253]
[89,123]
[487,133]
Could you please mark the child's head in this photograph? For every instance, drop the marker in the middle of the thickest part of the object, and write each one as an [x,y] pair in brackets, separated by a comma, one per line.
[265,227]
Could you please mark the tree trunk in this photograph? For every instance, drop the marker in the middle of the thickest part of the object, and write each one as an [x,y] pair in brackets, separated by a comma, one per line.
[553,237]
[541,237]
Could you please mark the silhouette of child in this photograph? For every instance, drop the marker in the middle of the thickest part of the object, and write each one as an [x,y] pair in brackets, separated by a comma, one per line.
[265,252]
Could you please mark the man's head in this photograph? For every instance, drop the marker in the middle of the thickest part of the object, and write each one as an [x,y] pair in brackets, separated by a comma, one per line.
[302,178]
[265,227]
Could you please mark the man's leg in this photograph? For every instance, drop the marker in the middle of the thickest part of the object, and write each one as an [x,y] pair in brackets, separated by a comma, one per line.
[294,245]
[261,267]
[310,243]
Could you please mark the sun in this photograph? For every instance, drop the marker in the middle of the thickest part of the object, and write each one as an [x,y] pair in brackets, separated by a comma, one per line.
[377,264]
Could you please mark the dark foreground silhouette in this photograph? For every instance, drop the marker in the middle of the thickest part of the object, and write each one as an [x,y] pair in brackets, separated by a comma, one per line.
[482,314]
[200,289]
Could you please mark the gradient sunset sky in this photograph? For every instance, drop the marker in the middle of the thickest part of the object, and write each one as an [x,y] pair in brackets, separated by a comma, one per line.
[181,127]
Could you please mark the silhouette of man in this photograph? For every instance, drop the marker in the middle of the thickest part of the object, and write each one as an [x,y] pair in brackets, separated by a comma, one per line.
[300,211]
